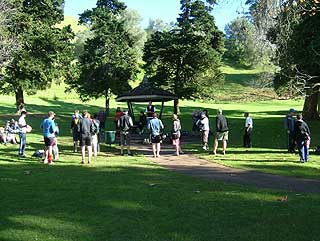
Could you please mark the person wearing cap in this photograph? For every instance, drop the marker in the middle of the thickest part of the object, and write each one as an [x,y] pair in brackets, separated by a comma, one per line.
[204,128]
[49,129]
[289,124]
[222,132]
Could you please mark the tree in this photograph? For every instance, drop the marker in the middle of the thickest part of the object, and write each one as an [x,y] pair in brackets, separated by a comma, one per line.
[297,36]
[187,58]
[7,42]
[110,59]
[240,42]
[46,51]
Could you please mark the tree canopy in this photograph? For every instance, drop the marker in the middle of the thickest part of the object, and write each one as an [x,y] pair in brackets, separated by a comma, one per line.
[46,51]
[110,57]
[186,58]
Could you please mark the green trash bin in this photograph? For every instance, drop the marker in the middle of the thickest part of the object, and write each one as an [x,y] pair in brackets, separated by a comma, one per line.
[110,137]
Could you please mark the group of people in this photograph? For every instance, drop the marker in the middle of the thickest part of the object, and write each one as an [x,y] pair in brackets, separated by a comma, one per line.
[85,131]
[8,133]
[298,134]
[150,120]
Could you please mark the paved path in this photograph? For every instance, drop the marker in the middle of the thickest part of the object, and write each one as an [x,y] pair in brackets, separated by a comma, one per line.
[193,166]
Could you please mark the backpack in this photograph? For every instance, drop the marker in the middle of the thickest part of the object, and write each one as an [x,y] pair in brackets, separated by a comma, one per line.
[124,123]
[94,128]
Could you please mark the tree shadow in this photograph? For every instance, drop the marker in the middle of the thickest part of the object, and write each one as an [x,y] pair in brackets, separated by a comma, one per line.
[135,203]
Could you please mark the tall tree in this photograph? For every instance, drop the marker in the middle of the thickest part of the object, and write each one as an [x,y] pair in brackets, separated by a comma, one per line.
[7,42]
[185,59]
[46,51]
[110,59]
[296,35]
[240,42]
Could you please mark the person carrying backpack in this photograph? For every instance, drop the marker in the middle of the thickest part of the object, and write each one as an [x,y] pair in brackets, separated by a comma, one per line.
[302,138]
[124,124]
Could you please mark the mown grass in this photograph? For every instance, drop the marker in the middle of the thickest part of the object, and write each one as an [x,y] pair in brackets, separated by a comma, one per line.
[129,198]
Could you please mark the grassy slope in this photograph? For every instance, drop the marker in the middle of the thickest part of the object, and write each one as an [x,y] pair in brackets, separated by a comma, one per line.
[112,199]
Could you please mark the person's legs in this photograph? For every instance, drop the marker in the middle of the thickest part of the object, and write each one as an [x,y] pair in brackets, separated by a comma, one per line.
[89,148]
[83,153]
[301,150]
[22,145]
[215,146]
[122,142]
[128,140]
[154,149]
[158,149]
[224,147]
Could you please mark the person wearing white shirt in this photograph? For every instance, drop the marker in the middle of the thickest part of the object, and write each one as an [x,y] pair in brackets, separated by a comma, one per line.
[203,125]
[247,131]
[22,133]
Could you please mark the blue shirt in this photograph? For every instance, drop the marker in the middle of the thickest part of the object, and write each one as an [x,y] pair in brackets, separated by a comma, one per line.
[49,127]
[155,125]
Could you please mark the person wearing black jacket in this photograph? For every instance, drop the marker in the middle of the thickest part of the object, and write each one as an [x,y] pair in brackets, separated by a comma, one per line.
[302,138]
[222,132]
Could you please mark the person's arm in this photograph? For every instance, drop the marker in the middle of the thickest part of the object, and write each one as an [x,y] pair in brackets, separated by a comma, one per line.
[130,122]
[161,124]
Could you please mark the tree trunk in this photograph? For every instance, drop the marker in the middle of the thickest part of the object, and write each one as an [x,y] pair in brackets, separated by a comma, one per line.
[19,99]
[176,107]
[310,108]
[107,102]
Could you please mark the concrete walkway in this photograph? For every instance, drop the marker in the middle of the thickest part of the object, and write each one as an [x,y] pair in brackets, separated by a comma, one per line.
[193,166]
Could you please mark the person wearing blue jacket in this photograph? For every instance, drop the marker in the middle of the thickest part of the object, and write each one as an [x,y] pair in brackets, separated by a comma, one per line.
[49,129]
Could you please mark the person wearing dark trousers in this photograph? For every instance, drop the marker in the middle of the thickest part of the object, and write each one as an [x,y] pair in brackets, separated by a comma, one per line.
[289,126]
[302,138]
[247,131]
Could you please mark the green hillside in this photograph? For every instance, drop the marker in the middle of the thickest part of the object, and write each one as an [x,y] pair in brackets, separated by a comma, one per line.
[69,20]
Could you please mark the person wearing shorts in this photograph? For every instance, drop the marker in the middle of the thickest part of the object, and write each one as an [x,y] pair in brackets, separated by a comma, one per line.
[222,132]
[125,123]
[155,126]
[204,127]
[176,134]
[75,122]
[85,137]
[49,128]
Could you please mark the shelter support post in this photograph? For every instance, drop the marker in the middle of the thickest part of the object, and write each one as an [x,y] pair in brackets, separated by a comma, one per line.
[161,109]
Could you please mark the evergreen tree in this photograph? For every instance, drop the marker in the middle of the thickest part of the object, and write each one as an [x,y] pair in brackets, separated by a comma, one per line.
[110,59]
[45,52]
[186,59]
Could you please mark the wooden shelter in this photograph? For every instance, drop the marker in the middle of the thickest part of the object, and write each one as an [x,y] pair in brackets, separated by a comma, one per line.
[144,93]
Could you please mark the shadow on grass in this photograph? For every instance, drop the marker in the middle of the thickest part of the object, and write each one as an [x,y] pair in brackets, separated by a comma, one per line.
[134,203]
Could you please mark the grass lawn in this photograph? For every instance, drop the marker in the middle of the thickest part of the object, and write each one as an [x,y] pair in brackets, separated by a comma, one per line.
[128,198]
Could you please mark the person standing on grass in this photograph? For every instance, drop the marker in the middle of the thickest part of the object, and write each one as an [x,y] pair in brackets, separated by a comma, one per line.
[155,126]
[204,128]
[289,124]
[22,133]
[75,129]
[302,138]
[95,128]
[124,124]
[222,132]
[49,128]
[85,137]
[247,130]
[176,134]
